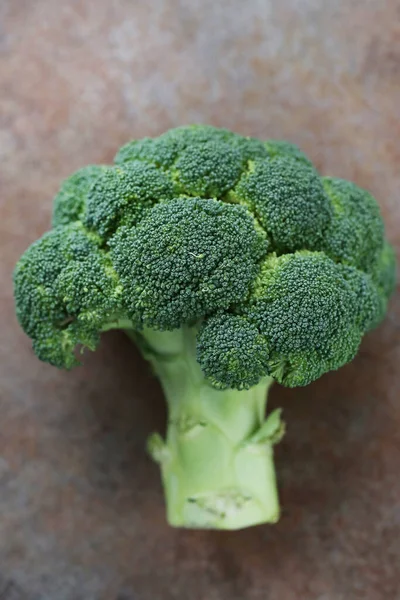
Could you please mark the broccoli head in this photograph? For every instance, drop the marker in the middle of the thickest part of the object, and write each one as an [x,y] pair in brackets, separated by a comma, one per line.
[232,263]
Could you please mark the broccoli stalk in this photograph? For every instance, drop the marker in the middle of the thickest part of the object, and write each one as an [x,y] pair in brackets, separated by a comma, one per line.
[231,263]
[217,459]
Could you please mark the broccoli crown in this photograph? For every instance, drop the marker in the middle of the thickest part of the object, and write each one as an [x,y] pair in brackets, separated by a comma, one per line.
[282,271]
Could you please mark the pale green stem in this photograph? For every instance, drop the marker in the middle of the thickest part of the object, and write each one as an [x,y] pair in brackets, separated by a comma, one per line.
[217,459]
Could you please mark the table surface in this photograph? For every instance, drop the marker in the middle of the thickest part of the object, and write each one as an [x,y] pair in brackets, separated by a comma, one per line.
[81,507]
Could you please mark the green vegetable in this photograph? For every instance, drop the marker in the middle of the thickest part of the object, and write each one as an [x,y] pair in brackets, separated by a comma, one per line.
[232,264]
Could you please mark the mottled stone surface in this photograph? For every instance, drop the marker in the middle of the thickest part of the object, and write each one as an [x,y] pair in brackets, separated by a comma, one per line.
[81,508]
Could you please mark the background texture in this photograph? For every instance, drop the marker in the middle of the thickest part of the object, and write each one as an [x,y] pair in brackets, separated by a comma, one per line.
[81,507]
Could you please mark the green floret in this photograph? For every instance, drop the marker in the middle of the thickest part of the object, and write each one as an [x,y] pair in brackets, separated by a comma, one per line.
[70,202]
[231,352]
[164,150]
[161,151]
[371,301]
[121,196]
[65,290]
[186,259]
[195,136]
[384,273]
[308,313]
[208,170]
[288,198]
[279,148]
[356,234]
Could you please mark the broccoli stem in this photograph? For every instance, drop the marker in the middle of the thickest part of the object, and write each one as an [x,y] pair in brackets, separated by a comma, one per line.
[217,459]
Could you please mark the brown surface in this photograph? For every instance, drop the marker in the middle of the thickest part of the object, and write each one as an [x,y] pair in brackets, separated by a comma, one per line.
[82,514]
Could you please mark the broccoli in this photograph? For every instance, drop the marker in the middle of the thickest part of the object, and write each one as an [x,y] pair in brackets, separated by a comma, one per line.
[231,263]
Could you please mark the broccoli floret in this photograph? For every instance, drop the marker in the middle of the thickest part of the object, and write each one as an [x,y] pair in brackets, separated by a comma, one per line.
[279,148]
[70,202]
[169,147]
[356,234]
[121,196]
[384,271]
[288,198]
[208,170]
[232,352]
[186,259]
[313,313]
[232,264]
[65,291]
